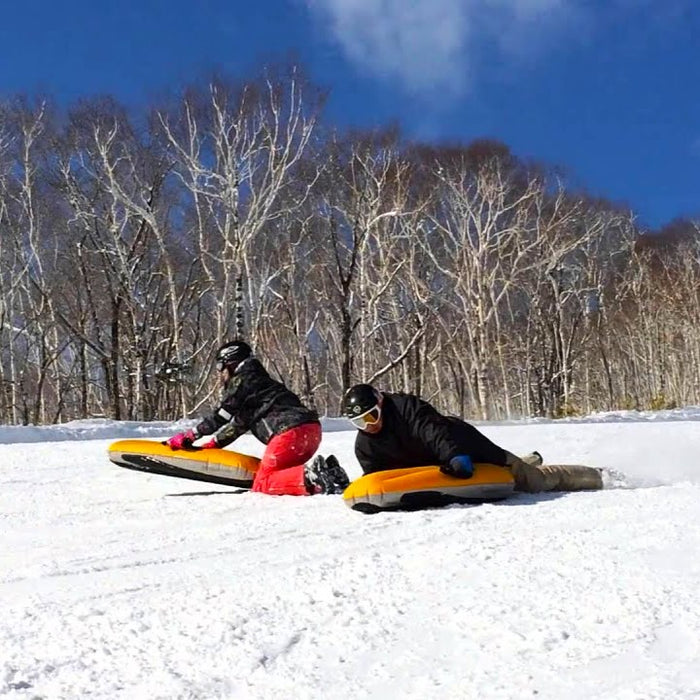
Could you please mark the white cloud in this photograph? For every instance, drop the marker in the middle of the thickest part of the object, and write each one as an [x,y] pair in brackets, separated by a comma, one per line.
[432,46]
[419,42]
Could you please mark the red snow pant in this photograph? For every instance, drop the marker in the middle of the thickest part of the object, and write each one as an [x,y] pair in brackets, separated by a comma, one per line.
[281,470]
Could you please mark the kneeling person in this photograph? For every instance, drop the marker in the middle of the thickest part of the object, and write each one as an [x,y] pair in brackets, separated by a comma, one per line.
[253,401]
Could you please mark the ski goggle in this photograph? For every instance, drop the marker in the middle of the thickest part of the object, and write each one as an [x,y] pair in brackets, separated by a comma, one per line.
[370,417]
[223,362]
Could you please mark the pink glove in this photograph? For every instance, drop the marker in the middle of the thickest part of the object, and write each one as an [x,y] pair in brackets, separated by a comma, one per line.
[181,441]
[209,444]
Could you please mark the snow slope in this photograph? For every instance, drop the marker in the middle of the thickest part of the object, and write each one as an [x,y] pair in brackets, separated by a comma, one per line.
[119,584]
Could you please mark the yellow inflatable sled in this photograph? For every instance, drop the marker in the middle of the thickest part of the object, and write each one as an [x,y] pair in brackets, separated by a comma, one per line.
[215,465]
[426,487]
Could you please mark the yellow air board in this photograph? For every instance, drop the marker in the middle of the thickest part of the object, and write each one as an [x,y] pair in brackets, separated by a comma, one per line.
[214,465]
[414,488]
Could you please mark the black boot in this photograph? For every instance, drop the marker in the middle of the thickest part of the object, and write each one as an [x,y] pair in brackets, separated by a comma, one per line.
[325,476]
[338,474]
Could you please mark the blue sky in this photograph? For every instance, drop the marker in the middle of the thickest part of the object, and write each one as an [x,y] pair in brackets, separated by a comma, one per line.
[608,90]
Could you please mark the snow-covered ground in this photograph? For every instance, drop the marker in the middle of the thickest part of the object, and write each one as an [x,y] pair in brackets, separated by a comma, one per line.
[119,584]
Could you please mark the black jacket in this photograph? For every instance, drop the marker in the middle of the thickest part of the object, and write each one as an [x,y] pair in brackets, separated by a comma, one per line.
[414,434]
[254,401]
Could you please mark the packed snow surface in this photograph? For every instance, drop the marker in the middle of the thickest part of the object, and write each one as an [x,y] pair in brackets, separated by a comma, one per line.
[120,584]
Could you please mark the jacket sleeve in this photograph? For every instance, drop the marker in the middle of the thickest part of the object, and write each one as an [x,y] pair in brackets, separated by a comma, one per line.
[364,458]
[214,421]
[225,413]
[228,433]
[431,428]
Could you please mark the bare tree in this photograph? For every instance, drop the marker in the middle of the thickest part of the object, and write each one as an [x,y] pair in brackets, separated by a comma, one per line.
[479,238]
[236,152]
[361,200]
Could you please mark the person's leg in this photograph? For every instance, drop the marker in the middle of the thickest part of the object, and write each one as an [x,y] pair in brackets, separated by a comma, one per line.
[532,476]
[527,475]
[281,470]
[571,477]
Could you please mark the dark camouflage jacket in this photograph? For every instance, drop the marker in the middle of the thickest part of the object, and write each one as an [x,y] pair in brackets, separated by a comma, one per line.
[254,401]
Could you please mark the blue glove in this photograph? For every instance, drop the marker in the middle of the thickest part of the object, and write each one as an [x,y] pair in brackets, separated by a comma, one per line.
[460,466]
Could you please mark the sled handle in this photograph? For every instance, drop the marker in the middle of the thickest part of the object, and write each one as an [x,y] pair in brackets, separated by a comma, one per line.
[190,448]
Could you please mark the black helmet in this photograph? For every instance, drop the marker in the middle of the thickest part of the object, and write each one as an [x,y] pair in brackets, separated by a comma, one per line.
[231,354]
[361,405]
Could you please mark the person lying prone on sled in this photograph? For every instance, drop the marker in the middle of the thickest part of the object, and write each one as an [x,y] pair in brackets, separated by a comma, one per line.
[397,430]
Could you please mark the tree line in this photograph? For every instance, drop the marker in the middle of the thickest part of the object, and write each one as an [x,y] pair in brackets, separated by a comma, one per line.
[131,246]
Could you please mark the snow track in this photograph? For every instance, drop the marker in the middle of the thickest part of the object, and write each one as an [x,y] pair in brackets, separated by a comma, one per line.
[114,584]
